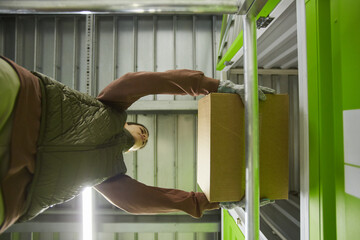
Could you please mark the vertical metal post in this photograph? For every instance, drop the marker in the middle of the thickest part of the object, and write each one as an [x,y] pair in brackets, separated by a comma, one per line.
[213,41]
[174,44]
[196,186]
[16,57]
[155,48]
[176,152]
[174,41]
[75,83]
[155,20]
[56,49]
[155,150]
[135,36]
[115,46]
[135,155]
[90,61]
[303,120]
[251,128]
[2,36]
[91,90]
[35,43]
[194,43]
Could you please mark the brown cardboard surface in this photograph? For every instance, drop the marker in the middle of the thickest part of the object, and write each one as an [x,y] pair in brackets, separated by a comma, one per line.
[221,144]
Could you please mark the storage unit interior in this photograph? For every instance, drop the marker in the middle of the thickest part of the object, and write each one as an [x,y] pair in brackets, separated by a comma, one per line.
[66,46]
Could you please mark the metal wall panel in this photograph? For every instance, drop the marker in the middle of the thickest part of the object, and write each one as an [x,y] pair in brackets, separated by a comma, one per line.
[105,51]
[57,46]
[164,41]
[147,157]
[184,46]
[186,152]
[46,63]
[25,27]
[164,28]
[125,35]
[146,44]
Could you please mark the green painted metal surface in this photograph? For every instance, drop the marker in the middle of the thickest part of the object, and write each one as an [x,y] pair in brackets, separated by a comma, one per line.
[231,230]
[238,42]
[333,82]
[35,236]
[350,53]
[234,48]
[346,74]
[15,236]
[321,166]
[223,28]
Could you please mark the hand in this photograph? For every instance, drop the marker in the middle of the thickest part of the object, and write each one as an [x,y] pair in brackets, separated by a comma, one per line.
[241,203]
[230,87]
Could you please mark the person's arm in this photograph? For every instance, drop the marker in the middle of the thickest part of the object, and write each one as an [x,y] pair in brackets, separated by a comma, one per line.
[137,198]
[124,91]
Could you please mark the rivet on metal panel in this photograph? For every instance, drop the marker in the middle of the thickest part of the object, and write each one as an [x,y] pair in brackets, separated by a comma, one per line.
[263,22]
[228,63]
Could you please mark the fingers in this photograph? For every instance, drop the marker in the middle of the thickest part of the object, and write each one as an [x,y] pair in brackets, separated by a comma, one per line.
[267,89]
[262,96]
[230,87]
[242,95]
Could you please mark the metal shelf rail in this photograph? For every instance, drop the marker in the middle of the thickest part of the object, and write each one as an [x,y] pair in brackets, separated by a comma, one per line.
[249,9]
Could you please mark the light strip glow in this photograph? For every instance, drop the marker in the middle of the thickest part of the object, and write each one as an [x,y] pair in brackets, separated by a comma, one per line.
[87,213]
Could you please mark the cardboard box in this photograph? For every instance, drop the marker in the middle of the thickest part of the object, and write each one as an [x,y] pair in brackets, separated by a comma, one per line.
[221,147]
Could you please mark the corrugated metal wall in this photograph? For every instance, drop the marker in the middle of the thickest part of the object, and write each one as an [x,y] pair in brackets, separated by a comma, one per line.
[58,45]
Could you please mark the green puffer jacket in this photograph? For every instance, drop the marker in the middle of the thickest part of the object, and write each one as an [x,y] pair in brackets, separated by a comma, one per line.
[81,143]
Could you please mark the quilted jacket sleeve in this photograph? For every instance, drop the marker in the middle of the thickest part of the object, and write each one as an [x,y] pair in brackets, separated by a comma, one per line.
[124,91]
